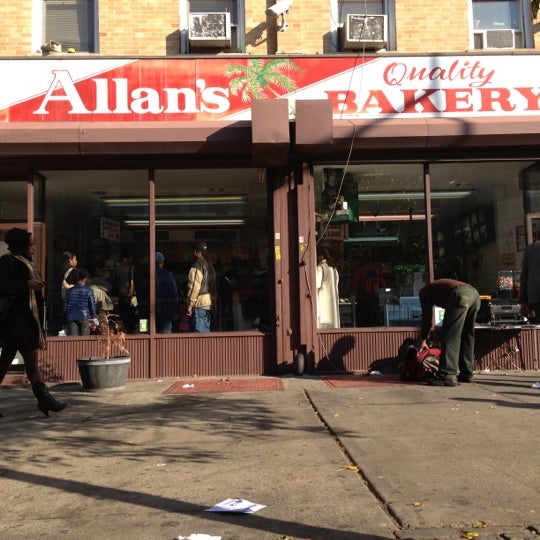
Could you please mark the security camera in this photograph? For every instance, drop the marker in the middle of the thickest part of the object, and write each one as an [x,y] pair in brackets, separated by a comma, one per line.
[279,8]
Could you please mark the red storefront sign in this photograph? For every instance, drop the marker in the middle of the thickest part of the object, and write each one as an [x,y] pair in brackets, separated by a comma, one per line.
[105,90]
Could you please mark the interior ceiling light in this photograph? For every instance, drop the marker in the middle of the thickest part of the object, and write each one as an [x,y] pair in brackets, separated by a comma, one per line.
[394,217]
[185,222]
[362,239]
[399,195]
[176,201]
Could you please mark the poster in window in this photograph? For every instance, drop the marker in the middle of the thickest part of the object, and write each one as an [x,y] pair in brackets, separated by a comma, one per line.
[110,229]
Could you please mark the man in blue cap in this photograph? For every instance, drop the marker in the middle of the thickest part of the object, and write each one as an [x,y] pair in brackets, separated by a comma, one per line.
[166,297]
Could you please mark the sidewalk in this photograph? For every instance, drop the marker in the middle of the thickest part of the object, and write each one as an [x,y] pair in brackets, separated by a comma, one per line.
[351,458]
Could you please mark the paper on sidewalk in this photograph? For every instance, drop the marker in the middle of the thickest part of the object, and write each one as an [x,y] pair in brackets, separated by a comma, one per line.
[236,505]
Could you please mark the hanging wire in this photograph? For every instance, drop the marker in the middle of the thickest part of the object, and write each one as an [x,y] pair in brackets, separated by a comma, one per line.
[359,56]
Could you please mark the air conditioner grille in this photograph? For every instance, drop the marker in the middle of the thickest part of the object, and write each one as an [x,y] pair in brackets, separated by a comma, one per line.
[500,39]
[365,28]
[208,25]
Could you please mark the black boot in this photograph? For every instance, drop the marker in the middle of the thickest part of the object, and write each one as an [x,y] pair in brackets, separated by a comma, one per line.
[46,402]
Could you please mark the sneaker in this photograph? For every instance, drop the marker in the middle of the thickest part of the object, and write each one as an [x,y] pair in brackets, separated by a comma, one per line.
[443,381]
[469,379]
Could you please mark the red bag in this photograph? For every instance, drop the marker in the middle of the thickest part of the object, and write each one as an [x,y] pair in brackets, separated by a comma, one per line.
[415,365]
[183,319]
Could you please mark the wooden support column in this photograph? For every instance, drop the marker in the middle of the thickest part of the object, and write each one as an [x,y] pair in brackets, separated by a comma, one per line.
[307,262]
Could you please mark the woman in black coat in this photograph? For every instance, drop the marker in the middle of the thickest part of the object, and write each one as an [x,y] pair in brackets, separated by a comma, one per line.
[21,322]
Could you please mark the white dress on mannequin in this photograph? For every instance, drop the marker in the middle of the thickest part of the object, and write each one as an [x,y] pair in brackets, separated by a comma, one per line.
[327,296]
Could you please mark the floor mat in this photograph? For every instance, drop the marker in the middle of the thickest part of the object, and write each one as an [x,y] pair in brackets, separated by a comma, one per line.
[347,381]
[194,386]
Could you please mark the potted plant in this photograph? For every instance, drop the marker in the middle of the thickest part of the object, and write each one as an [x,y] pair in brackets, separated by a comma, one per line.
[111,368]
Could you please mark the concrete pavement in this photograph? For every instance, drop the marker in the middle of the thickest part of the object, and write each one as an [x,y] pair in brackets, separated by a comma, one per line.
[367,461]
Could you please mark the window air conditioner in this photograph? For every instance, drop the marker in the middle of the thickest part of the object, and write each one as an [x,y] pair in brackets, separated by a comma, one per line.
[365,32]
[210,29]
[498,39]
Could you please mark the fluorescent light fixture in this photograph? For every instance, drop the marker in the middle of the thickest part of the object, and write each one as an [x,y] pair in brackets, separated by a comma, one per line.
[394,217]
[176,201]
[362,239]
[185,222]
[416,195]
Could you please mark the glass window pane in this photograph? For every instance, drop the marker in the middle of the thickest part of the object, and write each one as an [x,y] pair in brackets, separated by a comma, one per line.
[218,6]
[372,217]
[87,215]
[71,23]
[227,209]
[478,216]
[13,201]
[373,7]
[495,14]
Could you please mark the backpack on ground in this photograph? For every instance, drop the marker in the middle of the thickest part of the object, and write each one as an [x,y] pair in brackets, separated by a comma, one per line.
[417,365]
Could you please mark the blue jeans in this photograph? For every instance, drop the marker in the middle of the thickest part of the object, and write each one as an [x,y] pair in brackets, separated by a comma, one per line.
[164,326]
[200,320]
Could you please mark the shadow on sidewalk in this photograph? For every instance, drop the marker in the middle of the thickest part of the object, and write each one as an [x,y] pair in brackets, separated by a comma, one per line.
[165,504]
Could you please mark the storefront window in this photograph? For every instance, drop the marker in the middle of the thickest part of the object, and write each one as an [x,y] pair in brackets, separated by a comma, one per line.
[13,201]
[479,225]
[226,209]
[89,214]
[372,217]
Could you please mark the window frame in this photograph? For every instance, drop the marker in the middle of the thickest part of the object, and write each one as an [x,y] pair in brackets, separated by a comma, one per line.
[524,26]
[388,9]
[237,27]
[40,10]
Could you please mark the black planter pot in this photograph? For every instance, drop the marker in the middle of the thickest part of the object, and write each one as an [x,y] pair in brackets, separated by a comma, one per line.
[104,373]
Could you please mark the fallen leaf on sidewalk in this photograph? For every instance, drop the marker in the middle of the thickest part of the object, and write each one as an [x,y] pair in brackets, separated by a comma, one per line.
[469,535]
[480,525]
[418,504]
[351,468]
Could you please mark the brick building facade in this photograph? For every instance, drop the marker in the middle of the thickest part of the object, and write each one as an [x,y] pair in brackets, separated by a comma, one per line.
[152,28]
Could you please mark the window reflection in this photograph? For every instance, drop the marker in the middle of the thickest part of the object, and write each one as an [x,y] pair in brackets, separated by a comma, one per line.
[81,221]
[103,218]
[227,210]
[373,219]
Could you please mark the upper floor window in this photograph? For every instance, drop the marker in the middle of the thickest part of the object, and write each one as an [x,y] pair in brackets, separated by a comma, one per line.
[499,24]
[363,25]
[213,25]
[71,23]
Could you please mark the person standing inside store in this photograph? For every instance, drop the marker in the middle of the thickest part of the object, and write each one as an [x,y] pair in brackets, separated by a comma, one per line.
[80,305]
[166,297]
[201,289]
[327,280]
[461,303]
[68,264]
[21,320]
[125,287]
[529,295]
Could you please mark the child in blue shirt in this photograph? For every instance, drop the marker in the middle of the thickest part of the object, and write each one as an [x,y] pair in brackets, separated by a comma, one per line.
[80,305]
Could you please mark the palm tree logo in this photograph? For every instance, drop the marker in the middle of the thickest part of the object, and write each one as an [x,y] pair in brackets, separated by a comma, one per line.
[259,80]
